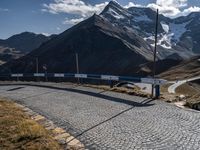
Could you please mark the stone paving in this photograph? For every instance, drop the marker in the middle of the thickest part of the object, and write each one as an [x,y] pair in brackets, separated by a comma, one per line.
[108,120]
[59,134]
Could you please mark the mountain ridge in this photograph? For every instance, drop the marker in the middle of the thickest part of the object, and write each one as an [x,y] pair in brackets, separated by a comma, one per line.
[117,42]
[172,33]
[25,41]
[20,44]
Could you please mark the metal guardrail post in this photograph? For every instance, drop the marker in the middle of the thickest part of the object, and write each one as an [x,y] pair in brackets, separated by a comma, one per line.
[37,68]
[111,84]
[157,94]
[77,67]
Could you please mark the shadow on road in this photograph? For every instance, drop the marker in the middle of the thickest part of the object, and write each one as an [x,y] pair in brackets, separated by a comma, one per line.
[98,95]
[110,98]
[14,89]
[144,102]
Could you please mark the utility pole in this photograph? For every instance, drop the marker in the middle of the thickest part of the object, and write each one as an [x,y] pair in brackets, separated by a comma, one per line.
[77,66]
[36,59]
[155,52]
[37,67]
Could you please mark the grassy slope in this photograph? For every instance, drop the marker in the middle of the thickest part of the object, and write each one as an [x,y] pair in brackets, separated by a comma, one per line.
[191,90]
[187,69]
[18,131]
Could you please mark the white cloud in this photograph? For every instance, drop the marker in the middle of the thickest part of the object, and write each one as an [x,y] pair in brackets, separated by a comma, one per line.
[73,21]
[78,8]
[168,11]
[191,9]
[4,9]
[173,8]
[131,4]
[172,3]
[169,8]
[75,7]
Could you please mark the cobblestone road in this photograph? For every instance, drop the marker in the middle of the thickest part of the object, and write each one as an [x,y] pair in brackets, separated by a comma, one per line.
[107,120]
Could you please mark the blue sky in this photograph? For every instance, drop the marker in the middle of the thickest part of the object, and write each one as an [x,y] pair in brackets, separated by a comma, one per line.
[55,16]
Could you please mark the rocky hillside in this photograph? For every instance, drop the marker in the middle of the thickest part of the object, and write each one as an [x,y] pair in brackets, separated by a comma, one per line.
[186,69]
[176,37]
[20,44]
[99,46]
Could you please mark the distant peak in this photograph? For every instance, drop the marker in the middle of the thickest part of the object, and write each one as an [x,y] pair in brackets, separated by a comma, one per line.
[114,3]
[194,14]
[26,33]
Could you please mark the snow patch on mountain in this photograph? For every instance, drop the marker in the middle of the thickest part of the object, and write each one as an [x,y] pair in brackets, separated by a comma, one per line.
[115,14]
[165,27]
[143,18]
[171,36]
[165,41]
[177,30]
[136,27]
[149,38]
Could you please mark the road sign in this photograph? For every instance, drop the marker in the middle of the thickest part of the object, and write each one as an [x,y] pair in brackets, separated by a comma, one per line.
[153,81]
[39,74]
[16,75]
[80,75]
[59,75]
[113,78]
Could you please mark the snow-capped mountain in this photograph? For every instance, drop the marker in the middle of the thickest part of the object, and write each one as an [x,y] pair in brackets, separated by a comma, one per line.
[119,41]
[176,36]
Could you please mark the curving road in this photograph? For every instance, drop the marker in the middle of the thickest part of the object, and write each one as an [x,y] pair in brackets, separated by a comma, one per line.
[172,88]
[106,120]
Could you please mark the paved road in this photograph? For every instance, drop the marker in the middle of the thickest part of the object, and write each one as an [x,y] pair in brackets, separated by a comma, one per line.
[107,120]
[172,88]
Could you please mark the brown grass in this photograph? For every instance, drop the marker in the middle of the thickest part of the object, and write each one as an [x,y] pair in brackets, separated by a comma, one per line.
[186,89]
[192,93]
[19,132]
[164,88]
[133,91]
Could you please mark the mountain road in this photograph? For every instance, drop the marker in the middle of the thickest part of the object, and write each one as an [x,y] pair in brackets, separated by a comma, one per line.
[108,120]
[172,88]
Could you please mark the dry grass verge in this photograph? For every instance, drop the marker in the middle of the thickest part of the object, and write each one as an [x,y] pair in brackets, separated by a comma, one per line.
[18,131]
[164,87]
[133,91]
[192,94]
[193,101]
[187,90]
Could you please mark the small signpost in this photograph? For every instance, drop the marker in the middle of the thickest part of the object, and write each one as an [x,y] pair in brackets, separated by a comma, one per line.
[111,78]
[58,75]
[39,74]
[80,76]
